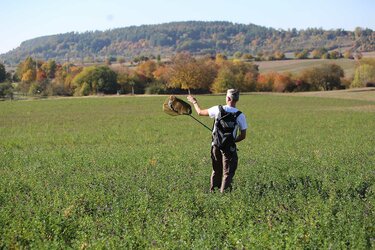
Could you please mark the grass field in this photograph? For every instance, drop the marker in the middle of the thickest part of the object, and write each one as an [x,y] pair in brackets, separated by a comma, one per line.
[116,172]
[296,66]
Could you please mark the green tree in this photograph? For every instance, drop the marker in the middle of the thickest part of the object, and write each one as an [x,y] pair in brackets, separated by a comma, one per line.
[6,90]
[3,73]
[224,80]
[237,74]
[246,75]
[36,88]
[99,78]
[364,74]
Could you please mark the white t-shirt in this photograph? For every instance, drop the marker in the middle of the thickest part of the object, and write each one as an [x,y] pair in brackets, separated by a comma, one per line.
[213,112]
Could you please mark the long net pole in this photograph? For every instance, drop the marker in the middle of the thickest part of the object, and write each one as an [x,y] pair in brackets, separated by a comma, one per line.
[204,125]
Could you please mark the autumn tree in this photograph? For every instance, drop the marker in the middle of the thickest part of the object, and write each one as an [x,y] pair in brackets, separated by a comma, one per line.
[24,66]
[26,72]
[283,83]
[265,81]
[28,76]
[318,53]
[323,77]
[146,69]
[332,76]
[62,84]
[129,82]
[49,68]
[304,54]
[161,74]
[278,55]
[40,75]
[185,72]
[208,70]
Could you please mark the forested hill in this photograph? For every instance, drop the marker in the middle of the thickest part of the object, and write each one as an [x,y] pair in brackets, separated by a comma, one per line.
[194,36]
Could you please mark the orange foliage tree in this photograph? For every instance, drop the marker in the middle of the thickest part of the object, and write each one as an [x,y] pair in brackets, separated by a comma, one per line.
[186,72]
[283,83]
[265,81]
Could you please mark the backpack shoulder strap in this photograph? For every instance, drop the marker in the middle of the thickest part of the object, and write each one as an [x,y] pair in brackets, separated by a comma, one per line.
[221,109]
[238,113]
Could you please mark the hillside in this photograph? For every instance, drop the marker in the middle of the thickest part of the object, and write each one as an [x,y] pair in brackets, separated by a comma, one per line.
[194,36]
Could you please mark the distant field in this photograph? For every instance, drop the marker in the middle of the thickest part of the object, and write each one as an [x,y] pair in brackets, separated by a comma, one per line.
[118,173]
[363,94]
[296,66]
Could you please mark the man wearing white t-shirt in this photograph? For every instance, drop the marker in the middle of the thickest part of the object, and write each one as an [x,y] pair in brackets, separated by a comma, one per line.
[224,160]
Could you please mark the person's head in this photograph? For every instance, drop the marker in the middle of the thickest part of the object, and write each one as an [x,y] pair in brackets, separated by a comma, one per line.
[233,95]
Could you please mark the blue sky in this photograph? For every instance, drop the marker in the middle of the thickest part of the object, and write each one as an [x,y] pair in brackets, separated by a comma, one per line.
[21,20]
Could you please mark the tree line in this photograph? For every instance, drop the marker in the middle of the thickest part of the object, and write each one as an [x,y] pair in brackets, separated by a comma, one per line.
[182,74]
[195,37]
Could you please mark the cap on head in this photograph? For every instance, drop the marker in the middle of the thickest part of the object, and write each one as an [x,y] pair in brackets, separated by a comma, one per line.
[233,94]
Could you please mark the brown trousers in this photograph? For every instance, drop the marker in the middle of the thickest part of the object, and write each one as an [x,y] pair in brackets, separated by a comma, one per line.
[224,165]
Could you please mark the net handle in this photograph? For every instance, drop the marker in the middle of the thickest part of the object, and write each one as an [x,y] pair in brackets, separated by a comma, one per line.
[204,125]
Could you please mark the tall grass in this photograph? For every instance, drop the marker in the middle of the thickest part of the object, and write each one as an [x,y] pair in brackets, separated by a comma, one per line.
[119,173]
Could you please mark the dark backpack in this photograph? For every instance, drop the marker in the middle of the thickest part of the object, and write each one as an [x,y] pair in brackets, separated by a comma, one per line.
[225,124]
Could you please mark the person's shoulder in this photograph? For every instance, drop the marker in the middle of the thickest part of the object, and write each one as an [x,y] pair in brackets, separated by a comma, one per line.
[229,109]
[213,111]
[214,107]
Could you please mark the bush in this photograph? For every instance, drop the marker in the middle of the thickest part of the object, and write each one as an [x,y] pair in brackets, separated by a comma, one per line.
[84,90]
[156,88]
[6,90]
[36,89]
[98,78]
[283,83]
[265,82]
[363,74]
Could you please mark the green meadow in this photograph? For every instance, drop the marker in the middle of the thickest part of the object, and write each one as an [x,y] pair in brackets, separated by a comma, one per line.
[117,172]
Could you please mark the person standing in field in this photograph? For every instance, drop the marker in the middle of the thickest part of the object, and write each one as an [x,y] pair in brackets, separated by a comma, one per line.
[228,121]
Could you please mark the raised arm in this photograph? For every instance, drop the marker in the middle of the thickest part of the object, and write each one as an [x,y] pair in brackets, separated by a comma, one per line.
[193,100]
